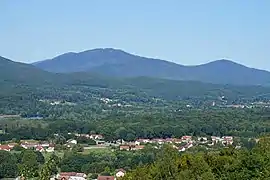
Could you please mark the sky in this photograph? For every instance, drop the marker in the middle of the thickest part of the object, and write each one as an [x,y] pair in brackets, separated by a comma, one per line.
[187,32]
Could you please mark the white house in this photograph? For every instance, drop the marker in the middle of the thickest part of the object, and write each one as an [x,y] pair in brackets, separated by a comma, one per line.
[120,173]
[72,141]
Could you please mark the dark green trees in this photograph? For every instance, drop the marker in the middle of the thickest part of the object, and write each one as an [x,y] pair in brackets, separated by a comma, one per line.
[8,165]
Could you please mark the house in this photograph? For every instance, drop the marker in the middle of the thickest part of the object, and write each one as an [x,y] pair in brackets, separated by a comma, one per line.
[159,141]
[227,138]
[72,141]
[215,139]
[5,148]
[182,149]
[177,141]
[120,173]
[11,145]
[138,141]
[50,149]
[186,138]
[96,136]
[29,145]
[127,148]
[45,144]
[106,178]
[71,176]
[40,149]
[188,145]
[185,147]
[137,147]
[169,140]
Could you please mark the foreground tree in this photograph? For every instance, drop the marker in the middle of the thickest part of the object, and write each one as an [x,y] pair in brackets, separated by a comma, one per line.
[29,164]
[50,168]
[8,166]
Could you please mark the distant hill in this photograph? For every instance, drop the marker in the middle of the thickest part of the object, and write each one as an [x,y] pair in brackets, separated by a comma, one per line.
[15,72]
[113,62]
[20,78]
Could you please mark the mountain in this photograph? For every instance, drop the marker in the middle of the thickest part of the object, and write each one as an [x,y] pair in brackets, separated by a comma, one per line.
[17,79]
[113,62]
[21,73]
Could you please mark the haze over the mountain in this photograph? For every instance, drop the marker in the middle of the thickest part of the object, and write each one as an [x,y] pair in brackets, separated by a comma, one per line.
[113,62]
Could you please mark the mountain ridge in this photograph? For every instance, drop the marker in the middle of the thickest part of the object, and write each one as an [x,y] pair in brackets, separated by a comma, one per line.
[19,78]
[118,63]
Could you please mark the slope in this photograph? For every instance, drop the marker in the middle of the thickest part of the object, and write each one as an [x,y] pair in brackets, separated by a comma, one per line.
[112,62]
[19,78]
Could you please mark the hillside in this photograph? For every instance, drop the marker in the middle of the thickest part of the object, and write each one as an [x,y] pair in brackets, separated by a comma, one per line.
[14,72]
[112,62]
[20,77]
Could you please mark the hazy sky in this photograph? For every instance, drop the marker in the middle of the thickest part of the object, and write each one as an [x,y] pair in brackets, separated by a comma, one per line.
[182,31]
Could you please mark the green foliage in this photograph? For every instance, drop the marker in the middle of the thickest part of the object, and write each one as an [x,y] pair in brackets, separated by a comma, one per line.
[77,148]
[18,148]
[99,162]
[226,164]
[49,168]
[29,164]
[85,140]
[8,165]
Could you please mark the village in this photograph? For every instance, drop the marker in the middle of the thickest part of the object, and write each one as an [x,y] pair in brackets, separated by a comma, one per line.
[182,144]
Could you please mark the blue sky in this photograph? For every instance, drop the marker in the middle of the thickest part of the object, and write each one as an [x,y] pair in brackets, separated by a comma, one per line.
[186,32]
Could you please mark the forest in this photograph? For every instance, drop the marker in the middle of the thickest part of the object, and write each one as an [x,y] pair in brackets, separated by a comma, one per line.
[246,123]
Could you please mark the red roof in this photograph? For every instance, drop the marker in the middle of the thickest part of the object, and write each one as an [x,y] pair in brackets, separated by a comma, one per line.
[5,147]
[105,178]
[39,148]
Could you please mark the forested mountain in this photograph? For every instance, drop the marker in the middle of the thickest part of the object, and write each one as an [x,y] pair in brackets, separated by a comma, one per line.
[22,75]
[112,62]
[19,72]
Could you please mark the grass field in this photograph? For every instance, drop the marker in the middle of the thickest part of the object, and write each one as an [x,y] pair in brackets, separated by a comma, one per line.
[105,150]
[92,149]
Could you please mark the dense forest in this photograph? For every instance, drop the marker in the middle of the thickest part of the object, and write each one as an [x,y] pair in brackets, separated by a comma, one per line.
[119,125]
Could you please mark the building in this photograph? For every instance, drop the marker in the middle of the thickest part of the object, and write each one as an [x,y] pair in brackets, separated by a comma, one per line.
[72,141]
[127,148]
[96,136]
[134,148]
[120,173]
[40,149]
[186,138]
[71,176]
[5,148]
[106,178]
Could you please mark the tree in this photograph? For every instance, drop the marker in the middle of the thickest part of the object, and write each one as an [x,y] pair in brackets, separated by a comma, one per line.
[77,148]
[40,157]
[49,168]
[29,165]
[18,148]
[8,166]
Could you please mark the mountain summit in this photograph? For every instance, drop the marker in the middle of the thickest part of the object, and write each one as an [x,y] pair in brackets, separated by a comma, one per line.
[115,62]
